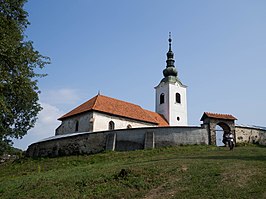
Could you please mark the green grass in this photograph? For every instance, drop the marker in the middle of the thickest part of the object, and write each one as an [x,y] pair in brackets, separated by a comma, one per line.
[174,172]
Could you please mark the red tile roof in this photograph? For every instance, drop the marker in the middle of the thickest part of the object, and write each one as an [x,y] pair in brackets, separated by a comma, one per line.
[160,120]
[119,108]
[217,116]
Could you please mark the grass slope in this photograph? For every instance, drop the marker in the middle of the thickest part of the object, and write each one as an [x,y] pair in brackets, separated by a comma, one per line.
[175,172]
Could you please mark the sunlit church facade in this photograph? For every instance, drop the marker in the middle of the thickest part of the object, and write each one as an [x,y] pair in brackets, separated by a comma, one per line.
[105,123]
[102,113]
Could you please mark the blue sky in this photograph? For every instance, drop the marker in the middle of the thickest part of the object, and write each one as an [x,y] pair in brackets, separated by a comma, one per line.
[119,48]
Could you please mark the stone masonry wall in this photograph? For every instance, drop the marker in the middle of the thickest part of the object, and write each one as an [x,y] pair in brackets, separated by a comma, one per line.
[121,140]
[250,135]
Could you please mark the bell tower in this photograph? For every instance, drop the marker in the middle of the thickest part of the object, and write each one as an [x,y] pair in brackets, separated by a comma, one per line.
[171,94]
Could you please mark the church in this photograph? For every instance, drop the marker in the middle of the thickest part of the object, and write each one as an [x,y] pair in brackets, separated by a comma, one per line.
[102,113]
[104,123]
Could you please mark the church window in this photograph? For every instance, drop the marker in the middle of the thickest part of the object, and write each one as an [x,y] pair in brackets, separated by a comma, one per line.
[77,126]
[111,125]
[162,98]
[178,98]
[129,126]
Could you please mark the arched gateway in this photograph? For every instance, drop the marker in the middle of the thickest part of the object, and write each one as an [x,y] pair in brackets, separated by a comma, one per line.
[218,125]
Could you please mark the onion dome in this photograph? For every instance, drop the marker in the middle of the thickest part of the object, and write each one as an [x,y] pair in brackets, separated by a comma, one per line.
[170,73]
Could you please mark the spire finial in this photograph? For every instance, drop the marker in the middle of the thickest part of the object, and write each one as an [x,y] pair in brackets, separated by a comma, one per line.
[170,41]
[170,71]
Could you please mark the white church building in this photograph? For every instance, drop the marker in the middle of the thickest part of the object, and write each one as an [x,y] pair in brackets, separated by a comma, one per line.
[102,113]
[104,123]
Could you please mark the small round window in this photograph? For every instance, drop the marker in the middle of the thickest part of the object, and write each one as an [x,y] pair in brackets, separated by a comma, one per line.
[178,118]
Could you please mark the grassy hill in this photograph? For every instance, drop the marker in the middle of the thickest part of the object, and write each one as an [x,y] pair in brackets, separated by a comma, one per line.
[175,172]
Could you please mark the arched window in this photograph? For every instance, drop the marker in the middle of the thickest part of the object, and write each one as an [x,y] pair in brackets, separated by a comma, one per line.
[129,126]
[77,126]
[162,98]
[178,98]
[111,125]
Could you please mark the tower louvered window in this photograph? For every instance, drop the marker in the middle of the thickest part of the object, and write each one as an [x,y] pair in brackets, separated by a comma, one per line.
[77,126]
[162,98]
[178,98]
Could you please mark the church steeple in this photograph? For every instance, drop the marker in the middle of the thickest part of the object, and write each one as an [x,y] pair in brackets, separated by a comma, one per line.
[170,55]
[170,72]
[171,97]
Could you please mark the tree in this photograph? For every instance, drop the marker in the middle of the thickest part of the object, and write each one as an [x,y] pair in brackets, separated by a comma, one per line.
[19,62]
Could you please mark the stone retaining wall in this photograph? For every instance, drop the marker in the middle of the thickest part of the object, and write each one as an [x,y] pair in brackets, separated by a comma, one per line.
[120,140]
[134,139]
[250,135]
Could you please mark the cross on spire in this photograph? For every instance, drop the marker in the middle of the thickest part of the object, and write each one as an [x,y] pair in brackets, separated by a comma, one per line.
[170,41]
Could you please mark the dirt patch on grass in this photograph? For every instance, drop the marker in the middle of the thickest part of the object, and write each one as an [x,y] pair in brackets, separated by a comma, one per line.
[168,189]
[161,192]
[238,177]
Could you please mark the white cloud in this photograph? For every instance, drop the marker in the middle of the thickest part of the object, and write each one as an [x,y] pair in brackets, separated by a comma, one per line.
[45,126]
[47,118]
[55,103]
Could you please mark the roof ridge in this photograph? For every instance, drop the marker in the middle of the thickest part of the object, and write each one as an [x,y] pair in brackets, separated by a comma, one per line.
[120,100]
[95,101]
[217,113]
[73,110]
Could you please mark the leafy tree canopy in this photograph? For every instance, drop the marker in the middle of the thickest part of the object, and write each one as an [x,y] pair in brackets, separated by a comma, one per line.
[18,77]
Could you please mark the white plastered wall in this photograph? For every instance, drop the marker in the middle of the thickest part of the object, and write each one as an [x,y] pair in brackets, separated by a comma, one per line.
[101,122]
[162,109]
[175,113]
[96,121]
[177,110]
[68,125]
